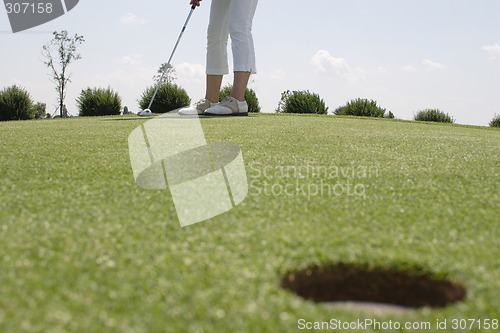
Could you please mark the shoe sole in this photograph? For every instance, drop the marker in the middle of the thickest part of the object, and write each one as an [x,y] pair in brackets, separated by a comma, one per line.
[238,114]
[190,115]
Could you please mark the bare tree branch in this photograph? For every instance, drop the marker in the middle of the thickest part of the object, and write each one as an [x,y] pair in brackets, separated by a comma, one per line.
[65,47]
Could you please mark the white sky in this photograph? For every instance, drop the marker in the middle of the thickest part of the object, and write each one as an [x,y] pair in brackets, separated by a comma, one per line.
[405,54]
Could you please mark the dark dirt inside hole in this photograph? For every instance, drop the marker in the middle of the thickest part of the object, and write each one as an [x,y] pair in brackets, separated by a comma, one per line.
[356,283]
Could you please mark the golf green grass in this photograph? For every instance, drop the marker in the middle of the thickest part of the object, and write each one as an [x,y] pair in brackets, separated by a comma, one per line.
[84,249]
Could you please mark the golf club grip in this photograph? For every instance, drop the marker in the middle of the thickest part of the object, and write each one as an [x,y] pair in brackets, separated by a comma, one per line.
[193,7]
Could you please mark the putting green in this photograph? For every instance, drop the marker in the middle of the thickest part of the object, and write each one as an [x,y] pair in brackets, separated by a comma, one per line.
[84,249]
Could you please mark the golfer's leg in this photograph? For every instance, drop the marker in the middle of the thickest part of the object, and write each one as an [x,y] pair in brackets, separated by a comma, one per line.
[240,85]
[214,83]
[217,36]
[240,29]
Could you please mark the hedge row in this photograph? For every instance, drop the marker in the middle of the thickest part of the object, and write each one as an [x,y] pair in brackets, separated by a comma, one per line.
[17,104]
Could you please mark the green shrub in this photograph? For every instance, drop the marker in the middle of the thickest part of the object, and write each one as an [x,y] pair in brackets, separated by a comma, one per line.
[434,115]
[169,97]
[362,108]
[99,102]
[301,102]
[250,97]
[495,122]
[40,110]
[16,104]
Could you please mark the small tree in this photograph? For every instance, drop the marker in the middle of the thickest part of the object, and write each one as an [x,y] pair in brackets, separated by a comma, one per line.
[495,122]
[169,97]
[301,102]
[15,104]
[65,48]
[169,76]
[361,107]
[40,110]
[434,115]
[389,115]
[99,102]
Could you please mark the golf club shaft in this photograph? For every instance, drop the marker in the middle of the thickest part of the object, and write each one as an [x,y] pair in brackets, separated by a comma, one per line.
[171,56]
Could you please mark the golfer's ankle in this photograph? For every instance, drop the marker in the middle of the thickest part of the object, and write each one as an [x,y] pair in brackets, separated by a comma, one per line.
[212,100]
[238,97]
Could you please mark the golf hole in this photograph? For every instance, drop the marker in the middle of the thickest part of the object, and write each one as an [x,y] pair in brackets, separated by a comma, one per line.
[386,287]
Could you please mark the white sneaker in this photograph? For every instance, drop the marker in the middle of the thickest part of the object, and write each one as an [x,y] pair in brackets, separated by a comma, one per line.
[229,106]
[196,109]
[146,113]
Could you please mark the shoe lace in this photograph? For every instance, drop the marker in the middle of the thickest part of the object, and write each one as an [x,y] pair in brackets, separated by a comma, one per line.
[227,100]
[201,101]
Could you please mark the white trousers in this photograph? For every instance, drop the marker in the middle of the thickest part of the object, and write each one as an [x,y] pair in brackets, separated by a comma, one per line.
[231,18]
